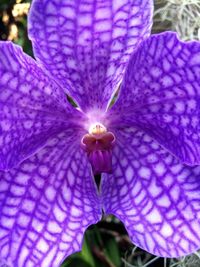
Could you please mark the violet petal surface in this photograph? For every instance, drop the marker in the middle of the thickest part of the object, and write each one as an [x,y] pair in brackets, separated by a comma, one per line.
[155,196]
[33,107]
[160,94]
[46,204]
[88,43]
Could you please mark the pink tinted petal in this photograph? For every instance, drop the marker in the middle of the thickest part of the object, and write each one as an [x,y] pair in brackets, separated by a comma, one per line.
[32,107]
[47,204]
[161,94]
[88,43]
[157,198]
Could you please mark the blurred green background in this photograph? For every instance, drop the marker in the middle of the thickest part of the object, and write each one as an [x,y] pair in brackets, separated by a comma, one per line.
[107,244]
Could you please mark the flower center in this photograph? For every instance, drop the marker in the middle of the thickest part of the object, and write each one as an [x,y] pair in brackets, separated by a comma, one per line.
[98,144]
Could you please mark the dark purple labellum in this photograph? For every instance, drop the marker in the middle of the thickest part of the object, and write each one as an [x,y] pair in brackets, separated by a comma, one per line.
[99,150]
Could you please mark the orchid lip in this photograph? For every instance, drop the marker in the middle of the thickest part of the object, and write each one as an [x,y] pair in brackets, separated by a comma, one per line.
[98,145]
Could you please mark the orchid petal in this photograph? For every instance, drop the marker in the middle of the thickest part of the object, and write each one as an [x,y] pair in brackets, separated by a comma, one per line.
[46,205]
[88,43]
[161,94]
[155,196]
[32,107]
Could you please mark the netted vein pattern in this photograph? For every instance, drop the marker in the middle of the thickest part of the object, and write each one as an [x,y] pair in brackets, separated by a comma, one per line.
[88,43]
[160,94]
[46,204]
[155,196]
[33,107]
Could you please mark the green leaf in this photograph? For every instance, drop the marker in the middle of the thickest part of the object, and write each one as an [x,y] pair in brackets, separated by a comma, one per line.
[112,252]
[75,262]
[86,251]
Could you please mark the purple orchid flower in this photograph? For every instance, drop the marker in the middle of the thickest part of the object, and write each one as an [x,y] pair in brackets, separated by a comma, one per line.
[146,146]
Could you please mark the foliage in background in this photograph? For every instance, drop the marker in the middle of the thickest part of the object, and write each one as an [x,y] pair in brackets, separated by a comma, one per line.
[107,244]
[13,22]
